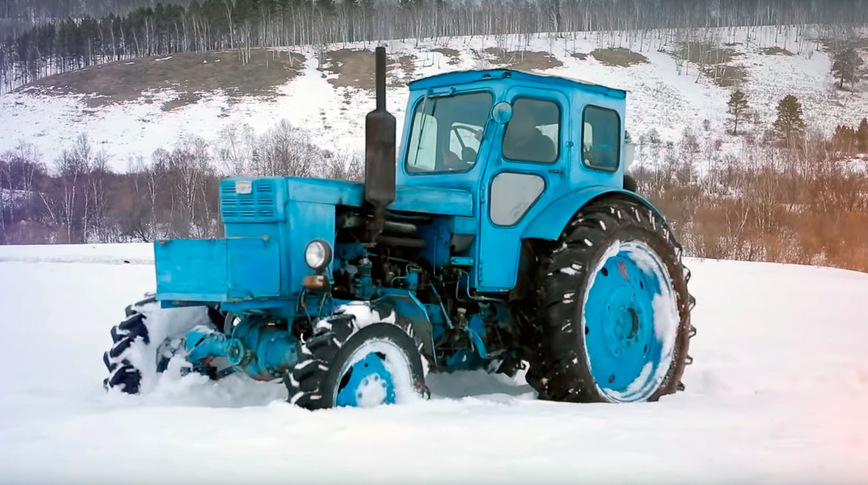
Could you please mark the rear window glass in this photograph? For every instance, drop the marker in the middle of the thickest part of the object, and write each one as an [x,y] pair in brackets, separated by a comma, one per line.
[601,138]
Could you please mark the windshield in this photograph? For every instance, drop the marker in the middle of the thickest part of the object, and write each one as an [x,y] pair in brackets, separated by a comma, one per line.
[446,132]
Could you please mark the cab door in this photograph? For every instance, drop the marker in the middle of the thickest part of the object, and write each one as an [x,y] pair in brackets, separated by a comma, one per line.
[526,170]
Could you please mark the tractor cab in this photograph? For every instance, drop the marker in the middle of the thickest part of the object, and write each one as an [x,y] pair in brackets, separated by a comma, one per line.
[462,122]
[514,143]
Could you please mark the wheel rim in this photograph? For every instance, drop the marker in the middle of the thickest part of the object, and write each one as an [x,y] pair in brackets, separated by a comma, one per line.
[630,322]
[368,384]
[377,373]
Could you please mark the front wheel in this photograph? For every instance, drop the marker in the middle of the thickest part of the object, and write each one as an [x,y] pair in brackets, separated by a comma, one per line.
[615,308]
[344,365]
[145,342]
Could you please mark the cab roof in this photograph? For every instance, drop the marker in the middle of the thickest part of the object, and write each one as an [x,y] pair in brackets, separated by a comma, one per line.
[474,76]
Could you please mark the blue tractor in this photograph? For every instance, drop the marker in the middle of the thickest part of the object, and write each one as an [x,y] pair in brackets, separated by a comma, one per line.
[501,236]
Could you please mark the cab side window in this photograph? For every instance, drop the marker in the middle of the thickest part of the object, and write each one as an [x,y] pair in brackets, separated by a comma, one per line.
[601,138]
[533,133]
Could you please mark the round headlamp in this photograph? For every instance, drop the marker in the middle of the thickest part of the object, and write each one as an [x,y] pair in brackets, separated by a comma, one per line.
[318,254]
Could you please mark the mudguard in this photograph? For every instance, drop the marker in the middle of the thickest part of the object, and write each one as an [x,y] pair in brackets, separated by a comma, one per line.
[549,224]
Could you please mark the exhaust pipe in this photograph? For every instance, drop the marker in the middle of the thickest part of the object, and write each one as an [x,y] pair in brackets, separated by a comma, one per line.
[379,152]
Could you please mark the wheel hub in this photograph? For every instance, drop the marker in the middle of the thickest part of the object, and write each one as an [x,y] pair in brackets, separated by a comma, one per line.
[626,327]
[368,384]
[622,323]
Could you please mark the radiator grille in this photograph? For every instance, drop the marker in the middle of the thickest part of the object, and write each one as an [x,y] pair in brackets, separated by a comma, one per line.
[258,204]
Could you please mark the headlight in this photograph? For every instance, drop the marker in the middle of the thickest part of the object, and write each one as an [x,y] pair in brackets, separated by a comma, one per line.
[318,254]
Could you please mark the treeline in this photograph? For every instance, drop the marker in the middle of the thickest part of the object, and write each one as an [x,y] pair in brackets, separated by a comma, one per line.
[19,9]
[850,140]
[58,44]
[800,206]
[790,195]
[79,199]
[17,16]
[790,202]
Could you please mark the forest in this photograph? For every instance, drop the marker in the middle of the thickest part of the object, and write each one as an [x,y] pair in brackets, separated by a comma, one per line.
[794,196]
[795,201]
[78,198]
[52,37]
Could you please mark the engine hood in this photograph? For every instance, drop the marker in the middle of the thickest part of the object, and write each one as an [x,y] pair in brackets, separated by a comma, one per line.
[427,200]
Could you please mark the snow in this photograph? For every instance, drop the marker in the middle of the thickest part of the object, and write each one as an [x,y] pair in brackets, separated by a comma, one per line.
[163,324]
[660,97]
[81,254]
[857,164]
[572,270]
[11,197]
[664,303]
[777,394]
[364,314]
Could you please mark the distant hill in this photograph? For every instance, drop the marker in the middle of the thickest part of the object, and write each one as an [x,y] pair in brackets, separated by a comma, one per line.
[675,82]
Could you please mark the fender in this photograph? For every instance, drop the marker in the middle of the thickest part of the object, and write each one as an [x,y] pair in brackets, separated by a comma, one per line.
[549,224]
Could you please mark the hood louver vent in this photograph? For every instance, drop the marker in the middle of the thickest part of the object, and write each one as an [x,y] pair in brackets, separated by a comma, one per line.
[256,205]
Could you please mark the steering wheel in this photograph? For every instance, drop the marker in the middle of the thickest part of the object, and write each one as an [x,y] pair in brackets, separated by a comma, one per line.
[453,162]
[455,129]
[474,133]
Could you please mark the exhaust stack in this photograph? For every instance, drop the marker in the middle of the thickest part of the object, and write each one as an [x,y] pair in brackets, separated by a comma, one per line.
[379,151]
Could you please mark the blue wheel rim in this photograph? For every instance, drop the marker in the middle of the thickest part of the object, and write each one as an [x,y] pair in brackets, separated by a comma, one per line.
[369,383]
[627,322]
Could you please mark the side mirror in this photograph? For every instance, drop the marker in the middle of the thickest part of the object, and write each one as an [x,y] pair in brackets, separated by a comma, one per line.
[629,151]
[502,112]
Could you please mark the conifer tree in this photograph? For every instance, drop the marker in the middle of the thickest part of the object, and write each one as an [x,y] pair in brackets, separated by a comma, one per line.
[862,135]
[790,124]
[845,67]
[844,139]
[737,107]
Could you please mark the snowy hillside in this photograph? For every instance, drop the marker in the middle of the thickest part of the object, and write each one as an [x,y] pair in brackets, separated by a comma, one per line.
[777,394]
[11,197]
[664,95]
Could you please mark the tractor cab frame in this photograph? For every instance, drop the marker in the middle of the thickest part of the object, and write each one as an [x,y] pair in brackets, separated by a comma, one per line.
[531,148]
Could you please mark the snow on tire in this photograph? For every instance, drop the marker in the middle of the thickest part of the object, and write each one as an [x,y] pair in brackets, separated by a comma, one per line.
[357,359]
[615,309]
[133,361]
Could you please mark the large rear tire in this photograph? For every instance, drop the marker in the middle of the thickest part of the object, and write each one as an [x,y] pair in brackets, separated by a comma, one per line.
[615,308]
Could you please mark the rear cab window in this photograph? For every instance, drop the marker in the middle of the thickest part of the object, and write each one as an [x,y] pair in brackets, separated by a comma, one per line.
[601,138]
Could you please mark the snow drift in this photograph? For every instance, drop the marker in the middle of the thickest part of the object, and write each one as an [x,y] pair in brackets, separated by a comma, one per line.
[777,394]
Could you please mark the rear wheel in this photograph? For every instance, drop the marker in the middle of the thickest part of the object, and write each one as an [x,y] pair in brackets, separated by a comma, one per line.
[615,309]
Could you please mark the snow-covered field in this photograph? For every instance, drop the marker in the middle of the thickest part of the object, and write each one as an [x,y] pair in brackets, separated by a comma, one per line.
[778,394]
[662,96]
